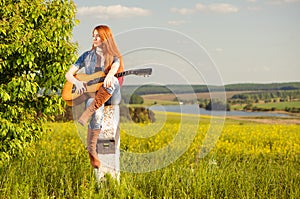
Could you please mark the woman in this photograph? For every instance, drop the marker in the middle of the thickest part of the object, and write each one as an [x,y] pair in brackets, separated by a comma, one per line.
[104,56]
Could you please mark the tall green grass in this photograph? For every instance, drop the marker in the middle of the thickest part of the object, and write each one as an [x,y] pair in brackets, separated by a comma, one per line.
[240,166]
[279,105]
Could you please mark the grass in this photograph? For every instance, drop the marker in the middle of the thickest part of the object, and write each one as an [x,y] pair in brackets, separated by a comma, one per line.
[270,105]
[150,102]
[249,161]
[279,105]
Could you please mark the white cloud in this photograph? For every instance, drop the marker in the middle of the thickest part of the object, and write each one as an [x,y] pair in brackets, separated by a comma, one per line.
[200,7]
[219,50]
[221,8]
[182,11]
[266,68]
[254,8]
[113,11]
[279,2]
[176,22]
[262,68]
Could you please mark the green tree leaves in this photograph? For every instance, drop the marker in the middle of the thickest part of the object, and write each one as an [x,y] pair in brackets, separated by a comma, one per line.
[35,52]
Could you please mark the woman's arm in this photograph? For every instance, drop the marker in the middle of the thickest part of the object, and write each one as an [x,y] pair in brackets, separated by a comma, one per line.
[108,81]
[80,87]
[70,74]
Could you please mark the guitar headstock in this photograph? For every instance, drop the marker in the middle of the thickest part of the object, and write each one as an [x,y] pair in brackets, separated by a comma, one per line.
[142,72]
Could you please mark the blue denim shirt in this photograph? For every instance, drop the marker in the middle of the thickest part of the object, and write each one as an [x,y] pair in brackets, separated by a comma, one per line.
[89,60]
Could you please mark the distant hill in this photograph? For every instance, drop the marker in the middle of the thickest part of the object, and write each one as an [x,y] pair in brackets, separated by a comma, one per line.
[166,89]
[256,87]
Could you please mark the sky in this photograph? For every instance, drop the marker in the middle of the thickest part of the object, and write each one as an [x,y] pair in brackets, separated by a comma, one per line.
[196,42]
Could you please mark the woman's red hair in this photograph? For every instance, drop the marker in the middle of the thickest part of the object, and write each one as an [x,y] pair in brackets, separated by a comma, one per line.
[109,46]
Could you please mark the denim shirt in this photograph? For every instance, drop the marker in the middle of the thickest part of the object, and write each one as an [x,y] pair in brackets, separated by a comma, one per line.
[88,60]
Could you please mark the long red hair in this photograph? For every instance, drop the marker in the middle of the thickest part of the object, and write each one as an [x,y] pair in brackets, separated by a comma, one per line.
[109,47]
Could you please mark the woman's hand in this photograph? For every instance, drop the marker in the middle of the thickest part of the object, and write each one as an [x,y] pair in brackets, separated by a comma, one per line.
[80,87]
[108,81]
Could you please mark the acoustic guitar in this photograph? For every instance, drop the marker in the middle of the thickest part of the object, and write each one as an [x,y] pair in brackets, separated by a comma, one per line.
[93,83]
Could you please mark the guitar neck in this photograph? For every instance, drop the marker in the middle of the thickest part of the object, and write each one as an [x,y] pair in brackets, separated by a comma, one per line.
[144,72]
[124,73]
[101,79]
[100,76]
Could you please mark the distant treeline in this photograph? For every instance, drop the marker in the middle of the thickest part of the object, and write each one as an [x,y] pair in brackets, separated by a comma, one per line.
[177,89]
[268,87]
[283,95]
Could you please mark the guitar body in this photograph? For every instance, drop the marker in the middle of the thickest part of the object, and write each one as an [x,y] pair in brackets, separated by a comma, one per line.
[93,83]
[79,99]
[68,92]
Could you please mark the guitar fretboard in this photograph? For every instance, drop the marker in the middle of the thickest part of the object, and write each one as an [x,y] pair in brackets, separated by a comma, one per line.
[144,72]
[122,74]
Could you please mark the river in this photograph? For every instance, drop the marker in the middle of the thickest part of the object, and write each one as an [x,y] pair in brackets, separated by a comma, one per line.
[194,109]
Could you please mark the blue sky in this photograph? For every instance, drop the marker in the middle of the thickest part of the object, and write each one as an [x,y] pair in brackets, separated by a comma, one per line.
[254,41]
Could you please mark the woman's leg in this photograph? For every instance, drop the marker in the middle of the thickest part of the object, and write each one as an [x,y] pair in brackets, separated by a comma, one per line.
[95,124]
[115,99]
[94,129]
[101,96]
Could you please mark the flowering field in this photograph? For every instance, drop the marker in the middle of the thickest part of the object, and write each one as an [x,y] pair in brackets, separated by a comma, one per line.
[249,160]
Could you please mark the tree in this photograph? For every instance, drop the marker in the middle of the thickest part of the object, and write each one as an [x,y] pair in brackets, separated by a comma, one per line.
[35,51]
[136,99]
[217,105]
